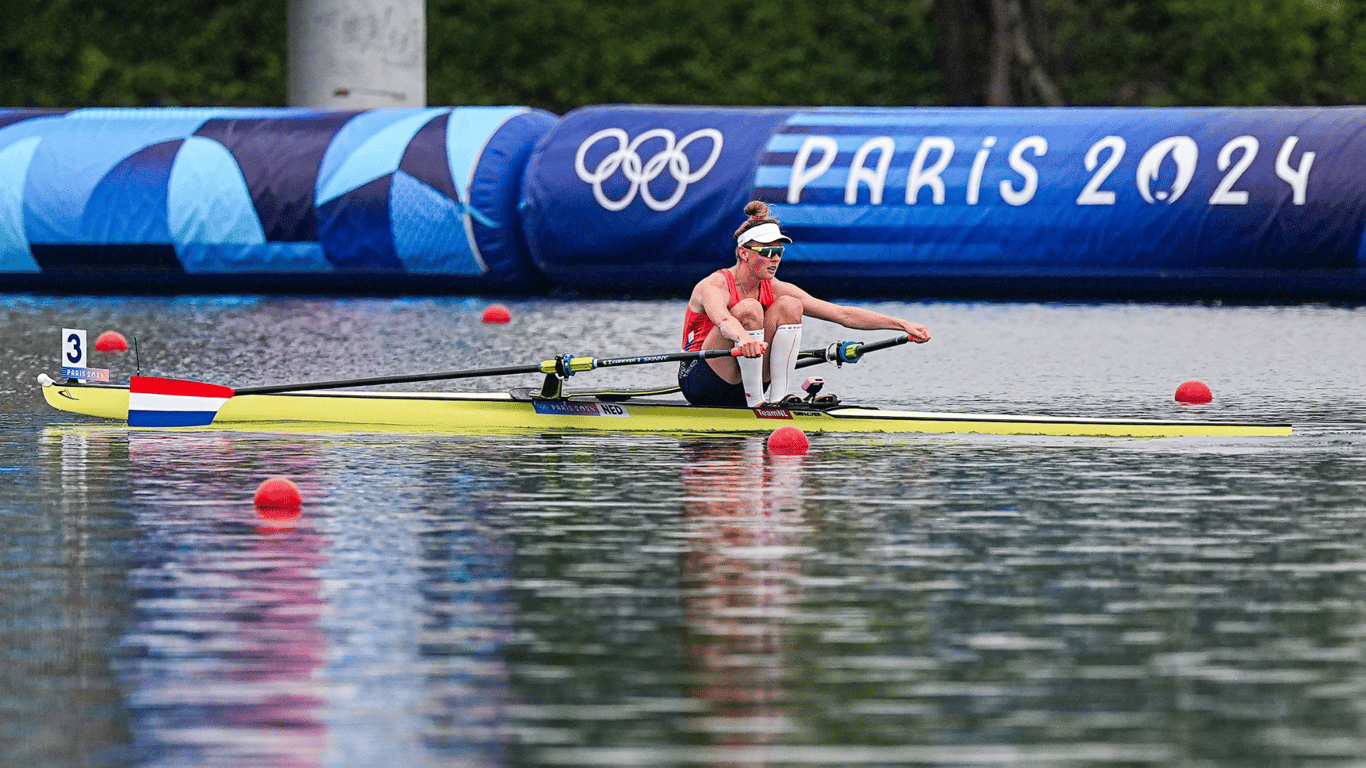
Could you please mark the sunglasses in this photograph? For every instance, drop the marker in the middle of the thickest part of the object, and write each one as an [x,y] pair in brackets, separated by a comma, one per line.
[771,252]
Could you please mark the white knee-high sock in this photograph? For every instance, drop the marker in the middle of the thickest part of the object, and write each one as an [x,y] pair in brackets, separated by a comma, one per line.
[782,360]
[752,373]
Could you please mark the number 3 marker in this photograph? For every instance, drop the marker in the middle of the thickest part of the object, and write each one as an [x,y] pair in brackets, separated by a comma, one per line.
[73,348]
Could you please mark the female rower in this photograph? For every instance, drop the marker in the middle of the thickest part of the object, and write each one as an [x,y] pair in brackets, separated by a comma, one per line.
[745,306]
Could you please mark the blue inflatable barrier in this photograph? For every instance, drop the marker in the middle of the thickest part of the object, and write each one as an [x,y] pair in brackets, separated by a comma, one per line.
[622,198]
[884,200]
[407,195]
[997,203]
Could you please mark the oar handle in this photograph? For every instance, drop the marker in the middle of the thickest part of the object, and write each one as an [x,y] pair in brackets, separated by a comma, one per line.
[848,351]
[894,341]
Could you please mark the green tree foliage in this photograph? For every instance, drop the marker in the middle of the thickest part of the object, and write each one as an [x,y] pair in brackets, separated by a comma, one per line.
[723,52]
[561,54]
[76,53]
[1209,52]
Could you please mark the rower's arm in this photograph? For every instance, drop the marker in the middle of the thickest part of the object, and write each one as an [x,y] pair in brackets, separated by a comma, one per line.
[857,318]
[714,303]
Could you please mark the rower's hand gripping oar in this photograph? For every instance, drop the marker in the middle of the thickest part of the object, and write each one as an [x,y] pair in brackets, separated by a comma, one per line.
[163,402]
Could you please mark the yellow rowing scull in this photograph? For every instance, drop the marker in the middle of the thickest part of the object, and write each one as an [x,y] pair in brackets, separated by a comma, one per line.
[520,410]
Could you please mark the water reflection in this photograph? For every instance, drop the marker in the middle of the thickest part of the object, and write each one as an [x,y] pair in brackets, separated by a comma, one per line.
[223,654]
[743,513]
[64,557]
[468,617]
[353,634]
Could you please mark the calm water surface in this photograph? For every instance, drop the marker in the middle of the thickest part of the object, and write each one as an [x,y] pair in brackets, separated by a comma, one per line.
[627,600]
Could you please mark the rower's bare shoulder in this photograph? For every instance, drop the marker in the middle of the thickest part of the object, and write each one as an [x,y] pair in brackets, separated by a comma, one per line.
[781,288]
[711,285]
[713,282]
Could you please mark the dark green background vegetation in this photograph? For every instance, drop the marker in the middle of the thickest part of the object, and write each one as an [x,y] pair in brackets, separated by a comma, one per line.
[561,54]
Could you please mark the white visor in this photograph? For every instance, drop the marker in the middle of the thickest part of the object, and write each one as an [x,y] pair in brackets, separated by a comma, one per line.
[767,232]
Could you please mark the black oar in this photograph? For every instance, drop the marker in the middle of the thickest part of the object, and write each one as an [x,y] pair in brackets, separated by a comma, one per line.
[563,366]
[846,351]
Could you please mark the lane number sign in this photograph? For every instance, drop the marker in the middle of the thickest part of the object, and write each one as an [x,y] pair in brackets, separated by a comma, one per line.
[74,358]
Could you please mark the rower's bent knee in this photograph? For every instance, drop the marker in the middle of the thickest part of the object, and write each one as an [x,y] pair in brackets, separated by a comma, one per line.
[786,310]
[749,312]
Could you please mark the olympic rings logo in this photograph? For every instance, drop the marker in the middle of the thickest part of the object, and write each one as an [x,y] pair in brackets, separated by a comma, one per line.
[640,172]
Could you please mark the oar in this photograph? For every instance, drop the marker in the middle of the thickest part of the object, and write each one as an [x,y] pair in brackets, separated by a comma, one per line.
[846,351]
[564,365]
[163,402]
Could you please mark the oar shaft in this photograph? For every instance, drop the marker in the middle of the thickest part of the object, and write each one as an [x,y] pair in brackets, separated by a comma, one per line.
[671,357]
[407,378]
[571,364]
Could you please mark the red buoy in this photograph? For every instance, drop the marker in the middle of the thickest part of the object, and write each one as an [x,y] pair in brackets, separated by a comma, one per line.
[111,341]
[1193,392]
[498,314]
[788,441]
[278,498]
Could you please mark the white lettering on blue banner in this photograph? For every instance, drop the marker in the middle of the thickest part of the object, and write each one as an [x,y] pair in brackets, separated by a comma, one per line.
[86,374]
[1171,161]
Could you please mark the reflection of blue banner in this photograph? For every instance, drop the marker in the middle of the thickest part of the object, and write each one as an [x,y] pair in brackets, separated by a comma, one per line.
[874,197]
[429,192]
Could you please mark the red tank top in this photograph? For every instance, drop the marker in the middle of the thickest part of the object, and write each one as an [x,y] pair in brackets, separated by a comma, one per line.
[696,325]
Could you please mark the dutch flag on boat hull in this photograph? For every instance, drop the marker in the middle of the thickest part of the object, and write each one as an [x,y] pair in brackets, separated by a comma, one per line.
[157,402]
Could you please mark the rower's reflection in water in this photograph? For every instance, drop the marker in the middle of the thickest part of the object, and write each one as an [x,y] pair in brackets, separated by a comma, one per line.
[744,511]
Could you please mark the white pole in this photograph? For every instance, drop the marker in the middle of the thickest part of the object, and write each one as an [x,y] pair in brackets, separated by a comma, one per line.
[354,54]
